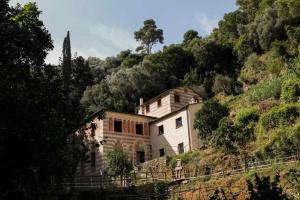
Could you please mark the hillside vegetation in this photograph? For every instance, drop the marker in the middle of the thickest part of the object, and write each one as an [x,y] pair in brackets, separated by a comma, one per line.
[248,71]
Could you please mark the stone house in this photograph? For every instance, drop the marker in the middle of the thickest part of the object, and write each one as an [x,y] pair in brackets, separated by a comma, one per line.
[162,126]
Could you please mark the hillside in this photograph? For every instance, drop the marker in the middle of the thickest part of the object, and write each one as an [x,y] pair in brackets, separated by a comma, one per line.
[248,71]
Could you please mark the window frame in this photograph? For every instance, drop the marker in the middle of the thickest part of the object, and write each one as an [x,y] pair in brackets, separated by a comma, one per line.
[121,125]
[162,151]
[178,126]
[176,98]
[142,128]
[161,127]
[147,108]
[159,102]
[179,147]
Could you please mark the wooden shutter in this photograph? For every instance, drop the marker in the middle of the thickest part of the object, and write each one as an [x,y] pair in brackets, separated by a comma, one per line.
[124,126]
[110,124]
[128,126]
[146,129]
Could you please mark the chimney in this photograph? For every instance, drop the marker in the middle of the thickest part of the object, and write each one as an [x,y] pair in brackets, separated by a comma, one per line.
[141,109]
[141,101]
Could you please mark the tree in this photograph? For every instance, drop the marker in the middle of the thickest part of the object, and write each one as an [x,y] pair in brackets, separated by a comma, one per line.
[118,164]
[67,64]
[189,36]
[290,91]
[33,142]
[231,138]
[148,35]
[208,117]
[227,33]
[264,189]
[81,76]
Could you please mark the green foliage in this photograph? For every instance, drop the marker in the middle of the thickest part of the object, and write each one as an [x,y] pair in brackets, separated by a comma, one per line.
[227,33]
[186,157]
[263,188]
[282,115]
[230,138]
[207,118]
[161,190]
[246,116]
[223,84]
[283,141]
[36,142]
[274,63]
[189,36]
[290,91]
[148,35]
[293,177]
[270,88]
[253,69]
[122,88]
[118,163]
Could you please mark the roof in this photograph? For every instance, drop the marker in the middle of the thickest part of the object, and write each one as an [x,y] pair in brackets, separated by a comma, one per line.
[131,114]
[165,93]
[174,112]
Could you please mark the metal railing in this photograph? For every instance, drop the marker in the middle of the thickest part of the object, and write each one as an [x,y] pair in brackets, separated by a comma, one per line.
[137,178]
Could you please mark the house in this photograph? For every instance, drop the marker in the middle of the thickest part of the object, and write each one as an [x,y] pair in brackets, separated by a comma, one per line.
[162,126]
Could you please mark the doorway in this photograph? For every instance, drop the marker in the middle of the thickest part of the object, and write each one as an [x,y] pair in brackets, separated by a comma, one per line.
[140,156]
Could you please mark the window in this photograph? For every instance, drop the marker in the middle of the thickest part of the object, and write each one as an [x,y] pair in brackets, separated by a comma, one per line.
[147,108]
[93,159]
[177,98]
[178,122]
[140,156]
[118,125]
[158,102]
[180,148]
[161,130]
[161,152]
[139,129]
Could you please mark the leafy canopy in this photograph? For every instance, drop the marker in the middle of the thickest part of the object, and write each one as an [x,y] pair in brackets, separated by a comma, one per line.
[148,35]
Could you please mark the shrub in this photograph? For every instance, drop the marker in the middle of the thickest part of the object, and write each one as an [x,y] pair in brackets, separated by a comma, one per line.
[267,89]
[161,190]
[263,188]
[290,90]
[185,158]
[118,163]
[222,84]
[275,64]
[246,116]
[230,138]
[207,118]
[279,116]
[251,73]
[282,142]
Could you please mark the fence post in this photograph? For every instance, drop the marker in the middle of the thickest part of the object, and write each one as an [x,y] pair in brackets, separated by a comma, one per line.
[146,177]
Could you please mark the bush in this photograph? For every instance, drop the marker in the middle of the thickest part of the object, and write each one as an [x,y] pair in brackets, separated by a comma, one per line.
[280,116]
[290,91]
[267,89]
[253,69]
[161,190]
[185,158]
[222,84]
[263,188]
[246,116]
[207,118]
[275,64]
[282,142]
[230,138]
